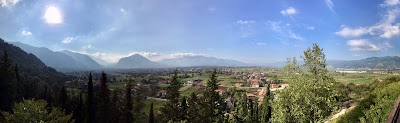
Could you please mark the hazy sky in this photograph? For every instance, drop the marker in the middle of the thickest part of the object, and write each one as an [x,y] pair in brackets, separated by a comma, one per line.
[252,31]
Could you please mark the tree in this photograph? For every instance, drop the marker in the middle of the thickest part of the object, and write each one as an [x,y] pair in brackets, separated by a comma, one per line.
[193,111]
[128,103]
[183,107]
[241,108]
[114,108]
[90,105]
[151,113]
[62,99]
[312,94]
[171,108]
[6,95]
[34,111]
[103,102]
[78,110]
[213,104]
[266,110]
[138,105]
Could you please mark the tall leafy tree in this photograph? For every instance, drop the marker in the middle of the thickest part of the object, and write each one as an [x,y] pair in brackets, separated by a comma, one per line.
[151,114]
[266,110]
[318,97]
[103,102]
[91,113]
[213,104]
[171,108]
[128,103]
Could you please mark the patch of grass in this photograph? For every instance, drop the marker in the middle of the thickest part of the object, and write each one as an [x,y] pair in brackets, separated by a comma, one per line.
[157,104]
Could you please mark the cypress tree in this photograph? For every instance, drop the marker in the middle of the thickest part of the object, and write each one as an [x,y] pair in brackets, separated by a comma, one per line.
[91,106]
[128,103]
[103,102]
[171,108]
[151,114]
[62,99]
[193,111]
[138,104]
[115,112]
[77,115]
[212,104]
[183,108]
[266,106]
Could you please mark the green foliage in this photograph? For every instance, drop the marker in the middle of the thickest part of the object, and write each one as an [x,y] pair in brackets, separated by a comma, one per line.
[266,109]
[193,109]
[36,111]
[171,108]
[311,95]
[103,101]
[151,114]
[376,106]
[90,102]
[127,112]
[212,104]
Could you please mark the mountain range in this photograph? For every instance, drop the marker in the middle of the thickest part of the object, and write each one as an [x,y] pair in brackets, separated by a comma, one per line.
[67,61]
[387,62]
[62,61]
[72,61]
[187,61]
[28,64]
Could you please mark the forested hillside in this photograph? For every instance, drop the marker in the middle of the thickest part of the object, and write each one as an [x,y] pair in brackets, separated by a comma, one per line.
[29,64]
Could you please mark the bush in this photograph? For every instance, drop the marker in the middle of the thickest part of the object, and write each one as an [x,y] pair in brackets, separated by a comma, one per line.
[35,111]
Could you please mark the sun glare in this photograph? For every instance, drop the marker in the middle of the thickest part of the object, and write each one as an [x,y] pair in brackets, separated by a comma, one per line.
[53,15]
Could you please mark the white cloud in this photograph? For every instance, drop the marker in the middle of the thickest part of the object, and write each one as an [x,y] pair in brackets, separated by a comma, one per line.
[26,33]
[330,5]
[123,10]
[356,55]
[352,32]
[261,43]
[390,2]
[145,54]
[295,36]
[69,40]
[365,45]
[245,22]
[289,11]
[177,55]
[310,27]
[245,27]
[386,28]
[283,30]
[8,3]
[86,47]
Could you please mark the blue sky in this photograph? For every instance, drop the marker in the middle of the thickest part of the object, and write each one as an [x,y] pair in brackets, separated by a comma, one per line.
[252,31]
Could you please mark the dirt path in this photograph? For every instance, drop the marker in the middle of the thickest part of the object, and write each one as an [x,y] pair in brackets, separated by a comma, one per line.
[341,112]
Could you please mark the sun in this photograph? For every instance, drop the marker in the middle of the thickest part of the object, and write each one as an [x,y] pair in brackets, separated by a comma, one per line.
[53,15]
